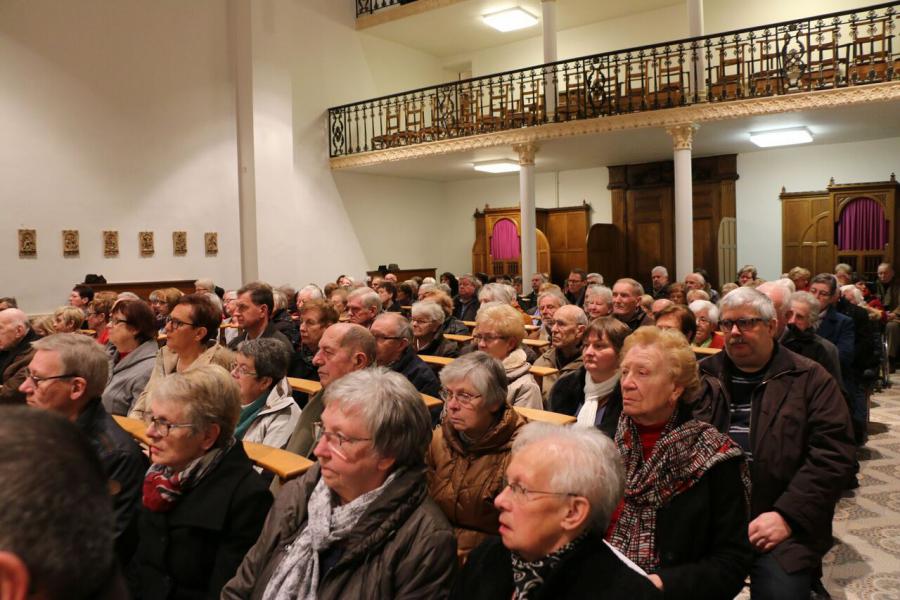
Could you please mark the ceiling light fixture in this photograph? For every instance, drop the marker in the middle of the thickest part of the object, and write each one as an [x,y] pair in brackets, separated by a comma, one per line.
[510,19]
[781,137]
[504,165]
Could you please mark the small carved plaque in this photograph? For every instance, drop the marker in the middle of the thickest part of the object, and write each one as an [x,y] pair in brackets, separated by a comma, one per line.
[211,241]
[70,242]
[145,243]
[110,244]
[27,243]
[179,243]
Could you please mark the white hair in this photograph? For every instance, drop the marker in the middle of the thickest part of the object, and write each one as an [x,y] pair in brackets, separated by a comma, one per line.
[857,295]
[712,312]
[497,292]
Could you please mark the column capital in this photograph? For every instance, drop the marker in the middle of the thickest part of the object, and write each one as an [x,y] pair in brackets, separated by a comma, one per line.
[526,152]
[682,135]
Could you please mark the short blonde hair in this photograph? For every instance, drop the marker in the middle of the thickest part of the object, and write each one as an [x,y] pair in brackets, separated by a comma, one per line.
[676,353]
[210,395]
[506,319]
[71,315]
[442,298]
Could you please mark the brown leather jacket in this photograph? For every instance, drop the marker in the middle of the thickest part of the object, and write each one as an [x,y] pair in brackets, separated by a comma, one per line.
[464,481]
[802,447]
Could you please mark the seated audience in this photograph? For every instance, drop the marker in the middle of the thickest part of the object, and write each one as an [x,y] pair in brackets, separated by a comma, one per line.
[747,276]
[387,291]
[677,293]
[360,523]
[564,355]
[204,286]
[281,318]
[97,315]
[451,324]
[81,296]
[162,301]
[307,293]
[394,350]
[67,319]
[338,299]
[315,317]
[43,325]
[549,301]
[707,317]
[8,302]
[65,551]
[728,287]
[562,484]
[428,333]
[191,330]
[855,294]
[576,283]
[698,281]
[466,301]
[229,329]
[344,281]
[800,277]
[449,279]
[268,411]
[252,311]
[626,303]
[499,332]
[597,301]
[684,515]
[504,293]
[697,295]
[67,376]
[678,317]
[132,336]
[363,305]
[592,393]
[470,450]
[204,505]
[843,273]
[802,317]
[659,278]
[16,352]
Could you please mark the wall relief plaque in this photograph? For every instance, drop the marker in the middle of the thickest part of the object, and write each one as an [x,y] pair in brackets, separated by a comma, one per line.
[27,243]
[145,243]
[70,243]
[179,243]
[110,244]
[211,241]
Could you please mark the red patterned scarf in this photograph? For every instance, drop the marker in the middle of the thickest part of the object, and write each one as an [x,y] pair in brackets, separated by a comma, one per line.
[163,487]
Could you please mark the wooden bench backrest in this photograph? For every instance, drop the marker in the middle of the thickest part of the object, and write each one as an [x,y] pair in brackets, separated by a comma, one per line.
[309,386]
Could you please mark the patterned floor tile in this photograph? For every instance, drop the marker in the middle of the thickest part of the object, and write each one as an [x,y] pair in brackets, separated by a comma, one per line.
[886,539]
[875,586]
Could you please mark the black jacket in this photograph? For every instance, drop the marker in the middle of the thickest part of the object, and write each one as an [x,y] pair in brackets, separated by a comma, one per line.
[567,397]
[465,312]
[591,571]
[418,372]
[269,332]
[191,551]
[283,323]
[864,356]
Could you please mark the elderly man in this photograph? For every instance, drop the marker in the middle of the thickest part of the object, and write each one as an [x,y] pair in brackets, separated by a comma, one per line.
[363,305]
[887,288]
[801,318]
[56,526]
[562,486]
[394,350]
[343,348]
[307,293]
[659,276]
[67,376]
[529,301]
[16,352]
[226,334]
[697,281]
[564,355]
[204,286]
[575,284]
[833,326]
[627,303]
[788,413]
[465,305]
[252,312]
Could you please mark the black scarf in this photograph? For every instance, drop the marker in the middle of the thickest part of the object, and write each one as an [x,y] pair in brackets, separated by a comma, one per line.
[529,577]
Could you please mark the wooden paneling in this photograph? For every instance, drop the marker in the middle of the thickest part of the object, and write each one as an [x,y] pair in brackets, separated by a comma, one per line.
[650,233]
[404,274]
[143,288]
[603,248]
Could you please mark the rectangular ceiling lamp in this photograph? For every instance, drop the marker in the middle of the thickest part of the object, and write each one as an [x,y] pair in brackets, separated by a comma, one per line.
[510,19]
[504,165]
[781,137]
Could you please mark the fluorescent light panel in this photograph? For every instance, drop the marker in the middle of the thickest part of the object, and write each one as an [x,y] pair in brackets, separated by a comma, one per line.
[781,137]
[504,165]
[510,19]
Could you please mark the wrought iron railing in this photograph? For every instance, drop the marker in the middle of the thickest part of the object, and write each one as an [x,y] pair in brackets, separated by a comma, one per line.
[823,52]
[367,7]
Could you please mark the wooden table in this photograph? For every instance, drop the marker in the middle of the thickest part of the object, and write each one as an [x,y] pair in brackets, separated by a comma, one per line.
[309,386]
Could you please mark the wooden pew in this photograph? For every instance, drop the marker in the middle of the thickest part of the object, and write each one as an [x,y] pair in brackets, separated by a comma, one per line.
[545,416]
[704,352]
[528,328]
[443,361]
[468,338]
[309,386]
[286,465]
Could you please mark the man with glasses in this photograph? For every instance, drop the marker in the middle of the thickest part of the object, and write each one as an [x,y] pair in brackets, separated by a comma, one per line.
[363,305]
[252,312]
[394,350]
[67,376]
[789,416]
[16,352]
[575,286]
[564,355]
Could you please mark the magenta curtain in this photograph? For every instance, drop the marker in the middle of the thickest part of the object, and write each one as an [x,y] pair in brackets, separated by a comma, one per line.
[505,241]
[862,226]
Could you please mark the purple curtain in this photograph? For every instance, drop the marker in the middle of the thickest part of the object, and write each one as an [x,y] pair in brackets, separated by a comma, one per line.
[505,241]
[862,226]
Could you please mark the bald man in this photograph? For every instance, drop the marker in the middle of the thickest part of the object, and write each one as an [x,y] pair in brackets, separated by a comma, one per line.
[569,323]
[16,352]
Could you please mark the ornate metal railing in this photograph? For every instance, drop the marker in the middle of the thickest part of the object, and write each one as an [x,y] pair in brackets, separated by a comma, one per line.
[823,52]
[367,7]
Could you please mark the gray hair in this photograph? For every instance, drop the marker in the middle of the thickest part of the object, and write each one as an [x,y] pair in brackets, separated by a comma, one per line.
[426,287]
[660,269]
[390,407]
[471,279]
[216,301]
[585,463]
[428,309]
[271,357]
[596,276]
[444,288]
[400,323]
[483,371]
[497,292]
[79,356]
[857,295]
[429,281]
[128,296]
[750,297]
[279,299]
[636,288]
[712,312]
[205,283]
[788,283]
[577,313]
[369,297]
[811,301]
[556,293]
[209,394]
[602,291]
[314,291]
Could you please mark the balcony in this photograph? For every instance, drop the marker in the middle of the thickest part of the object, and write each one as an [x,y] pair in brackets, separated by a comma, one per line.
[827,52]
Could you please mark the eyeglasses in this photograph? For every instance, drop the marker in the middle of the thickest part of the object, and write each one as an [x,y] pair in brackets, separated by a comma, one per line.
[163,427]
[521,493]
[464,398]
[420,321]
[573,280]
[243,370]
[114,321]
[176,323]
[743,325]
[38,380]
[487,339]
[703,320]
[157,301]
[334,439]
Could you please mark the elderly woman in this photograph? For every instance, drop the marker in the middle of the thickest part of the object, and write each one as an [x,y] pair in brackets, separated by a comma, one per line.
[428,334]
[359,524]
[469,452]
[67,319]
[98,314]
[591,394]
[162,301]
[315,317]
[684,518]
[747,276]
[268,411]
[562,484]
[707,317]
[505,294]
[132,336]
[451,324]
[191,331]
[499,332]
[598,301]
[203,505]
[338,299]
[800,277]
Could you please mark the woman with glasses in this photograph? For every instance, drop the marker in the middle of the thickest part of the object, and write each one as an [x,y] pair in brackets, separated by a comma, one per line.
[470,450]
[684,517]
[499,332]
[132,336]
[203,504]
[561,486]
[428,334]
[359,523]
[708,335]
[191,331]
[268,411]
[97,315]
[162,301]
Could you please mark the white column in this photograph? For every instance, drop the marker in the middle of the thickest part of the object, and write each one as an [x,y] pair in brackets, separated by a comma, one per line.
[548,23]
[682,137]
[527,215]
[695,29]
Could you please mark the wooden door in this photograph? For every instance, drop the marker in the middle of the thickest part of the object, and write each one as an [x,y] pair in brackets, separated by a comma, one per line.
[650,229]
[603,246]
[567,230]
[807,230]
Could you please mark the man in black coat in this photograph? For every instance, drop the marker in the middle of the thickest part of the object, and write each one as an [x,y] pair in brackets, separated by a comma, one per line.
[252,312]
[465,305]
[394,350]
[16,352]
